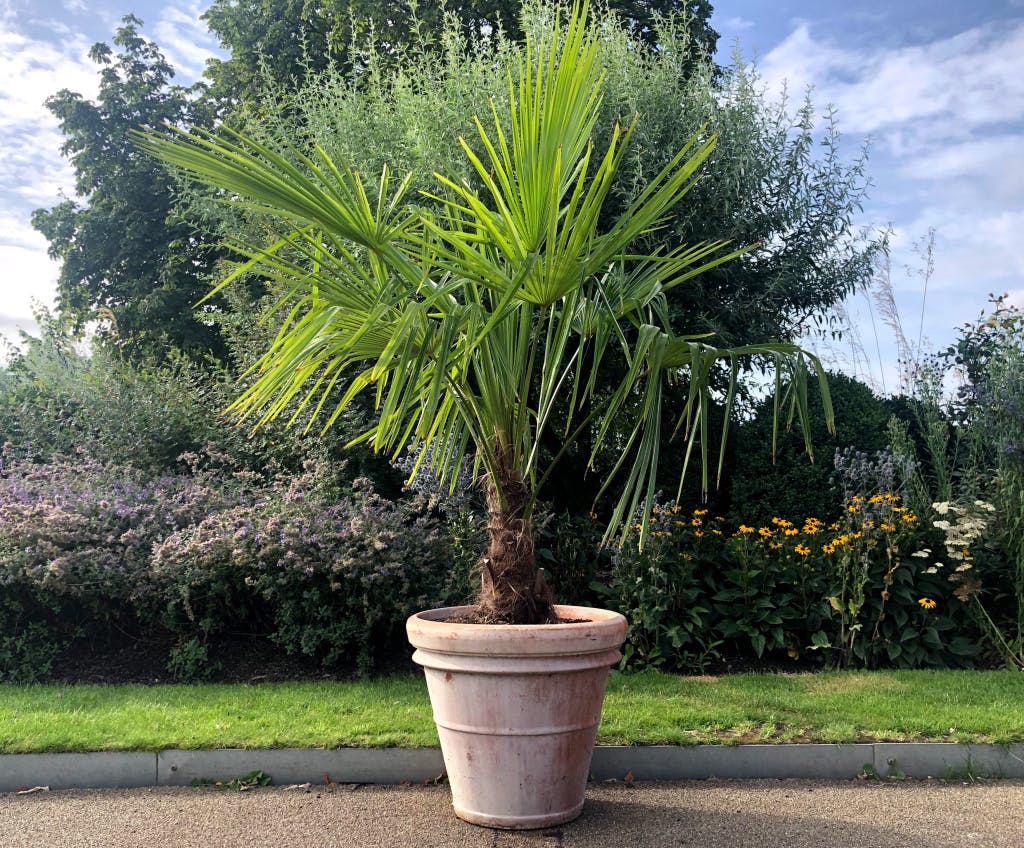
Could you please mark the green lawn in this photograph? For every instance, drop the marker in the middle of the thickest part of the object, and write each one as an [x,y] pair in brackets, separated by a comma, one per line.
[640,709]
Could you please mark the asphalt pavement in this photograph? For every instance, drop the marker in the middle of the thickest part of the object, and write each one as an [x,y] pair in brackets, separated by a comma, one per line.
[710,814]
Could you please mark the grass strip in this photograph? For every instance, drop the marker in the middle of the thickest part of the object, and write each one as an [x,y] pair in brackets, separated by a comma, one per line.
[641,709]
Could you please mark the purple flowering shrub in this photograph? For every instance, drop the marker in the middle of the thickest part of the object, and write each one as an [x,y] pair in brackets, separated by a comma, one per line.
[76,539]
[90,549]
[336,579]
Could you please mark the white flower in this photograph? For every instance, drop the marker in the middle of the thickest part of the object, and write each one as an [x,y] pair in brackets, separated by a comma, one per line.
[922,554]
[941,508]
[932,570]
[942,525]
[965,567]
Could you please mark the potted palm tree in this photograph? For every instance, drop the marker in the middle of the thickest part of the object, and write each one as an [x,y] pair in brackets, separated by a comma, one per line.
[477,320]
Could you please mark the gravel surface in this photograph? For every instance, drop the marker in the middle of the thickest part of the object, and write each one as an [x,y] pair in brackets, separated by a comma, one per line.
[710,814]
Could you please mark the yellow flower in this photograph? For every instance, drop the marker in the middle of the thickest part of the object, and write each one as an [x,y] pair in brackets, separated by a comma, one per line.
[764,532]
[857,499]
[889,528]
[717,532]
[775,545]
[829,548]
[698,533]
[700,512]
[803,550]
[791,531]
[851,509]
[909,517]
[876,499]
[745,529]
[696,522]
[928,603]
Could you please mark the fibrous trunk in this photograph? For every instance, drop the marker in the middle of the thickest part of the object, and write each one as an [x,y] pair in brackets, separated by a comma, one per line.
[513,590]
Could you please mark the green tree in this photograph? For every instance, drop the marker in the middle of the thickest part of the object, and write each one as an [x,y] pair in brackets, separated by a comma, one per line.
[289,39]
[124,248]
[470,322]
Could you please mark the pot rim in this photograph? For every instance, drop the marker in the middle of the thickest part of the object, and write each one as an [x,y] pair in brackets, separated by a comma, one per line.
[600,630]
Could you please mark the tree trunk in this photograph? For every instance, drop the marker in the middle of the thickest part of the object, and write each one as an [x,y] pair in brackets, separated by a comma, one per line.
[512,590]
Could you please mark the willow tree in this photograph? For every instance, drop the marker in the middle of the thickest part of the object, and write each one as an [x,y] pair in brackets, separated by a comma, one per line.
[472,324]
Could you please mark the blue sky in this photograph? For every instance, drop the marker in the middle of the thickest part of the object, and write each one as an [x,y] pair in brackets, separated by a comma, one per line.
[937,87]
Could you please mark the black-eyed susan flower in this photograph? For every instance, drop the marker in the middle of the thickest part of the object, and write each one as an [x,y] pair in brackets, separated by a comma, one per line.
[928,603]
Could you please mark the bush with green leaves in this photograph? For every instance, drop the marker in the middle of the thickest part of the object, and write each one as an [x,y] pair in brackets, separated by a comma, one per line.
[761,482]
[964,471]
[850,593]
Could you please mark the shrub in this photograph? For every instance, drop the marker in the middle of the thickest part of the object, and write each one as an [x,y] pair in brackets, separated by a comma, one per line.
[855,591]
[89,549]
[334,581]
[665,591]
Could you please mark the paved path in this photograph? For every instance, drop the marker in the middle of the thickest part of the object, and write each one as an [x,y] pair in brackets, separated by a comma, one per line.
[710,814]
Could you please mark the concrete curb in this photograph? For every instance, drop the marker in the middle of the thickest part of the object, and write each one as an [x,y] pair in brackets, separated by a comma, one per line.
[416,765]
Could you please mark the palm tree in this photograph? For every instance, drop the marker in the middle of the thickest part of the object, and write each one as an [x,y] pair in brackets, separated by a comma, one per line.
[479,324]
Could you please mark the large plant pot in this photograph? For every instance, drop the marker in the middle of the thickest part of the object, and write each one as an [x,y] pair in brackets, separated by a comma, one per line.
[517,708]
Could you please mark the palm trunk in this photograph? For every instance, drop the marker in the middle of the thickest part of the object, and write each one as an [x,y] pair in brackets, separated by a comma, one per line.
[512,590]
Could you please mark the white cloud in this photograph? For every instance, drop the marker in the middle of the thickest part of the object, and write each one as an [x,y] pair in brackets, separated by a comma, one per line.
[29,276]
[970,80]
[184,39]
[32,171]
[948,154]
[735,24]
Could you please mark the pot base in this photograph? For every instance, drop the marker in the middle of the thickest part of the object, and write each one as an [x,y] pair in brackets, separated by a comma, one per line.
[538,822]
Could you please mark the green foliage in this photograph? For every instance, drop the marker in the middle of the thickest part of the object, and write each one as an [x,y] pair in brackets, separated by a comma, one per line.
[27,650]
[848,593]
[663,593]
[974,447]
[189,660]
[57,401]
[771,182]
[290,41]
[762,482]
[239,784]
[126,256]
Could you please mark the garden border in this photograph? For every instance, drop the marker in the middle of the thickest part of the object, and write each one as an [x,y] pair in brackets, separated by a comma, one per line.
[886,760]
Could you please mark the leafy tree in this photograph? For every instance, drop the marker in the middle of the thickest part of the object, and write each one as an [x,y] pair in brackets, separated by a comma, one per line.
[125,251]
[289,39]
[471,323]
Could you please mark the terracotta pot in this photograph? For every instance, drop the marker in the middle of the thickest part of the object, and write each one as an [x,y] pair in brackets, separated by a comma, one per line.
[517,708]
